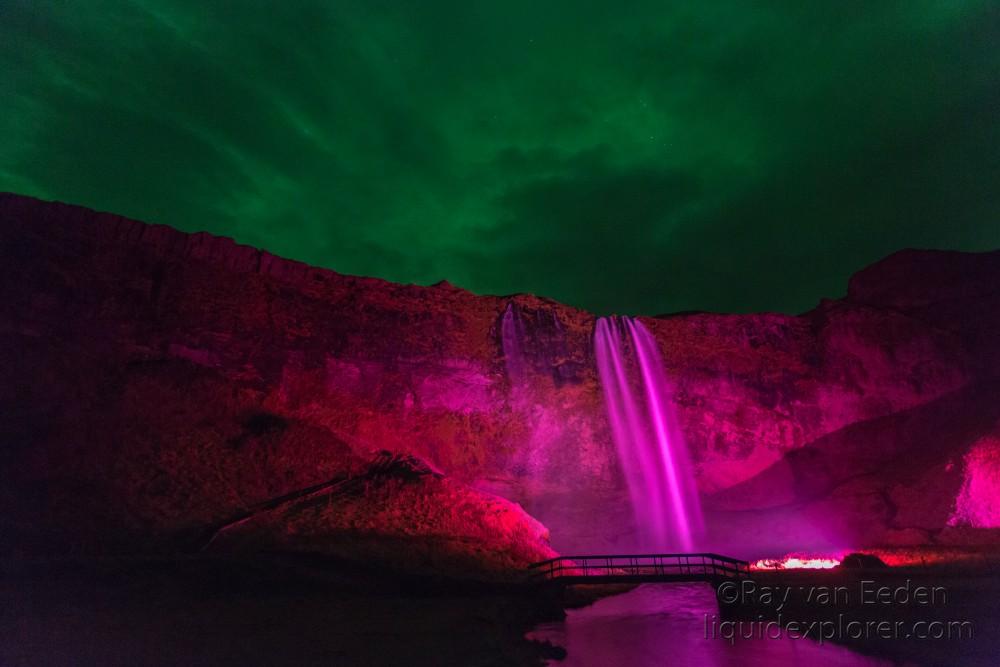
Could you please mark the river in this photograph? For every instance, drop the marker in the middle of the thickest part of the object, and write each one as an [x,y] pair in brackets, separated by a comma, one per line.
[665,624]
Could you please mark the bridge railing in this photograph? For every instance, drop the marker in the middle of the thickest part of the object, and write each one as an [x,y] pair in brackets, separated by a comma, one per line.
[696,566]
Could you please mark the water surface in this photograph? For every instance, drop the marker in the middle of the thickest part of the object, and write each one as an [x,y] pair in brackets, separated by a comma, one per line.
[657,625]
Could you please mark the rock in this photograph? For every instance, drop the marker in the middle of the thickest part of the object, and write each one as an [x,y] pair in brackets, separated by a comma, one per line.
[861,561]
[977,504]
[398,514]
[955,291]
[158,383]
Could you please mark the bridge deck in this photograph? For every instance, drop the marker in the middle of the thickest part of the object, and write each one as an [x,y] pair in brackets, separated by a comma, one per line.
[638,568]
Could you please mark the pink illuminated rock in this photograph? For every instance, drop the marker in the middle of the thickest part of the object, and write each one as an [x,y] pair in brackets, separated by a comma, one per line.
[397,513]
[978,502]
[155,382]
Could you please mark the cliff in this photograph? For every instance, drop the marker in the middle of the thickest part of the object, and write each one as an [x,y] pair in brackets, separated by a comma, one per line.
[157,383]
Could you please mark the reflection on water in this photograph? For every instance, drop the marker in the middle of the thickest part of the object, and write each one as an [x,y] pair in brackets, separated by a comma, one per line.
[660,624]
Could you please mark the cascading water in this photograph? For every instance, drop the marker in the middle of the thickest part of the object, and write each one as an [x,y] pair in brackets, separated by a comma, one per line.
[651,450]
[511,334]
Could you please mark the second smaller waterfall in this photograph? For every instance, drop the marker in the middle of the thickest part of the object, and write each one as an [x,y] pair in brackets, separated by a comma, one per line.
[511,337]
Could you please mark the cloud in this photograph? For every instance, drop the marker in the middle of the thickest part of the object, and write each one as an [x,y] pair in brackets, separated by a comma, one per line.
[672,156]
[591,229]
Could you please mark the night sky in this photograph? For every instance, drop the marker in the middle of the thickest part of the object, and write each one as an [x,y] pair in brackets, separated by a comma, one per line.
[620,156]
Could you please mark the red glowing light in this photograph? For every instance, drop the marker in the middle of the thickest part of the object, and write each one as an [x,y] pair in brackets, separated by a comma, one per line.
[796,562]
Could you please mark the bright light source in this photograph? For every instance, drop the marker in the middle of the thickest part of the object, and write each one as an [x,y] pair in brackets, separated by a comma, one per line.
[796,562]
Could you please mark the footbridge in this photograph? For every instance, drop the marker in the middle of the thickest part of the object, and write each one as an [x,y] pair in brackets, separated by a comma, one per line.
[638,568]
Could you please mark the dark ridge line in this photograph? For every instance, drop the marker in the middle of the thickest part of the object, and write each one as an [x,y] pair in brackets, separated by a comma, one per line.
[385,463]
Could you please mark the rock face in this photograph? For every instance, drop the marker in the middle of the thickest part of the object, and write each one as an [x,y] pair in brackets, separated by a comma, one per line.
[156,383]
[397,513]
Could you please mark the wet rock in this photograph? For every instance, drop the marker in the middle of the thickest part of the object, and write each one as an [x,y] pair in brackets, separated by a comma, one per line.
[157,381]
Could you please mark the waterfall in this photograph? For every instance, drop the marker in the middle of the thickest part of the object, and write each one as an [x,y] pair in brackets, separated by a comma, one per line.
[650,447]
[511,335]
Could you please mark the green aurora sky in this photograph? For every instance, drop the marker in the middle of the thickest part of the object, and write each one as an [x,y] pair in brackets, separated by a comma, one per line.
[620,156]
